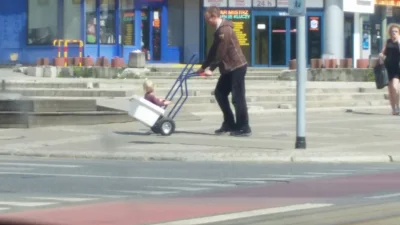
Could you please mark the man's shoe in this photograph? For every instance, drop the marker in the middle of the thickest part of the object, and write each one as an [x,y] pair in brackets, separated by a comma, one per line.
[241,133]
[223,130]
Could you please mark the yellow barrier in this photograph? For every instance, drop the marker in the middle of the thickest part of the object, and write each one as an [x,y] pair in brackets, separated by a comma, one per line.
[66,42]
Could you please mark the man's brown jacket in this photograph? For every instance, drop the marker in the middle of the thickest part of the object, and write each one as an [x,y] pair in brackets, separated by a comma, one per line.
[225,51]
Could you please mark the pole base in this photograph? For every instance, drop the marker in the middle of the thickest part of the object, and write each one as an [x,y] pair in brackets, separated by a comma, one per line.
[300,143]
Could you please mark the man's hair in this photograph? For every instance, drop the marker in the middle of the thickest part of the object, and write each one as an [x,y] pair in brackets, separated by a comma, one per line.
[213,11]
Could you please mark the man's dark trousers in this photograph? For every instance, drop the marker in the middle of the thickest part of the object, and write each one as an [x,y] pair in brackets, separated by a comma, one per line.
[233,81]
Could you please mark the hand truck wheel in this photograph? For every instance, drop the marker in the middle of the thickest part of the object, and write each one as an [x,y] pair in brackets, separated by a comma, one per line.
[165,126]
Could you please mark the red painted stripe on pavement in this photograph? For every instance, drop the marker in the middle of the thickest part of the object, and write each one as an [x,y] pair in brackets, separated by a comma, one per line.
[319,188]
[246,199]
[139,213]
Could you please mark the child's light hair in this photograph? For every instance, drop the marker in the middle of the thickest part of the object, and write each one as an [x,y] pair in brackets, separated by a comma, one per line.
[148,86]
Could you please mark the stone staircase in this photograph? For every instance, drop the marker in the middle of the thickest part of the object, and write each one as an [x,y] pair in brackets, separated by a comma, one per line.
[111,95]
[253,73]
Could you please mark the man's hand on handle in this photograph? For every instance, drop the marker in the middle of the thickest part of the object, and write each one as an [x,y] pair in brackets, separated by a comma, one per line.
[204,72]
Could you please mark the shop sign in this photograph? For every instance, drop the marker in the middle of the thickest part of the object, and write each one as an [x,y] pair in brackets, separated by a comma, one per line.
[240,3]
[264,3]
[285,3]
[235,14]
[315,3]
[388,2]
[314,23]
[359,6]
[282,3]
[218,3]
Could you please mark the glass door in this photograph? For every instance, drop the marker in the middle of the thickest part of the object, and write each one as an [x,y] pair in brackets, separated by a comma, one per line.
[278,41]
[314,37]
[261,40]
[269,38]
[293,38]
[151,33]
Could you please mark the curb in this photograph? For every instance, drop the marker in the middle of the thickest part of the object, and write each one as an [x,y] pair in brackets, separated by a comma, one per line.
[286,157]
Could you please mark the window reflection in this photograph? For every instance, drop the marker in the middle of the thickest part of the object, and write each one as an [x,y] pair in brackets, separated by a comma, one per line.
[107,22]
[42,22]
[91,22]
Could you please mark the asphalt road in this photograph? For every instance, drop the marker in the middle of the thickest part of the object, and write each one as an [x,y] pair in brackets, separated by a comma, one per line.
[29,184]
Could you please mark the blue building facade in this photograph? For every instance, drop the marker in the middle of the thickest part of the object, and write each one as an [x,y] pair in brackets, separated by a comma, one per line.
[107,28]
[170,31]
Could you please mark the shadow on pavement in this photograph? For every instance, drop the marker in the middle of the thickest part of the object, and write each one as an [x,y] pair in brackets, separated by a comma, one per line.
[368,113]
[147,133]
[193,132]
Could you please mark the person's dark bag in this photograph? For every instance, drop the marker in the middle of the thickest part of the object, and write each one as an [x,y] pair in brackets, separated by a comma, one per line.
[381,77]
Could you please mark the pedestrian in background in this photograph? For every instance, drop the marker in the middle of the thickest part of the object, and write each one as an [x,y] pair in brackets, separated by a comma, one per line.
[226,54]
[391,52]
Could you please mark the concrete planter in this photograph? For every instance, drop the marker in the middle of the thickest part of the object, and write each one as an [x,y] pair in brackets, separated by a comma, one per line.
[346,63]
[117,62]
[76,61]
[292,64]
[316,63]
[362,63]
[102,61]
[50,71]
[330,63]
[88,61]
[59,62]
[70,61]
[45,61]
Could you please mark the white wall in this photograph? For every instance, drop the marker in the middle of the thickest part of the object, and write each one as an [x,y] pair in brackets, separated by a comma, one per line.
[191,28]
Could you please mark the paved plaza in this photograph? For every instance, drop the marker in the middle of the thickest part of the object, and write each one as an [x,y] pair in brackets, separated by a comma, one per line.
[358,136]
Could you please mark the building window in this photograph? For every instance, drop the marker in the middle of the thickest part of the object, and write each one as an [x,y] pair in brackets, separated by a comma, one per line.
[72,19]
[175,23]
[128,22]
[42,22]
[91,25]
[107,22]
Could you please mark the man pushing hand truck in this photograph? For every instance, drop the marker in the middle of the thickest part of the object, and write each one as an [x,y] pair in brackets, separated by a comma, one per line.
[226,54]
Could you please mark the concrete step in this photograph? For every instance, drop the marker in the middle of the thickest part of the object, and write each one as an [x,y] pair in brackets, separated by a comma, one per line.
[212,81]
[292,97]
[248,74]
[190,108]
[255,77]
[161,68]
[43,119]
[256,90]
[70,92]
[58,85]
[48,105]
[207,97]
[198,109]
